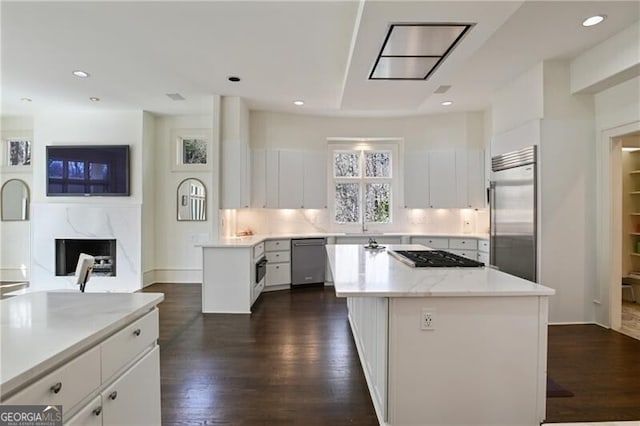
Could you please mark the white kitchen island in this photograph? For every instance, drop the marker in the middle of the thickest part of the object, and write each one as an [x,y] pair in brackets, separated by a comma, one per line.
[481,362]
[95,354]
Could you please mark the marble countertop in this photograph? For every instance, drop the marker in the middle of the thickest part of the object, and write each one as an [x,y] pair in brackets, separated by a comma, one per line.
[41,330]
[359,272]
[252,240]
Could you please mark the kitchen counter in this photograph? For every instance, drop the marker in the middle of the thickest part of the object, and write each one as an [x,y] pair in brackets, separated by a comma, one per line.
[358,271]
[39,331]
[432,340]
[251,240]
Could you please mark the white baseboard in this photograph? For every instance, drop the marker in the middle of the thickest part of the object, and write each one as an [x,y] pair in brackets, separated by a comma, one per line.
[14,274]
[181,276]
[573,323]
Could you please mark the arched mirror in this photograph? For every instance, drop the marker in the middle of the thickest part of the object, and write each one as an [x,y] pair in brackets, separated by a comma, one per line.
[15,200]
[192,200]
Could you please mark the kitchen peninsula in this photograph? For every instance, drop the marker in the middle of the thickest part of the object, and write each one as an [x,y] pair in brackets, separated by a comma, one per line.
[445,346]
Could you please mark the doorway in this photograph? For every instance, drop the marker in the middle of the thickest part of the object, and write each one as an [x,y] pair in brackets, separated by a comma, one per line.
[630,238]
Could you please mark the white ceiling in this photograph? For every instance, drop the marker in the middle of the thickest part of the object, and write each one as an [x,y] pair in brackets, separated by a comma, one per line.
[319,51]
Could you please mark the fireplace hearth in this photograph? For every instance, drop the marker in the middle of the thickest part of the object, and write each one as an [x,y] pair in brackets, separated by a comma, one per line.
[68,251]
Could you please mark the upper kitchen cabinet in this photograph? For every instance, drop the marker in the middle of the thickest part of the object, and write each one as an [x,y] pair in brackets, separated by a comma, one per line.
[416,180]
[444,179]
[235,164]
[289,179]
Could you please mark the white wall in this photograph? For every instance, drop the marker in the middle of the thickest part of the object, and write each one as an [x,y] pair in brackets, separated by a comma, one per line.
[563,125]
[15,241]
[609,63]
[61,217]
[177,258]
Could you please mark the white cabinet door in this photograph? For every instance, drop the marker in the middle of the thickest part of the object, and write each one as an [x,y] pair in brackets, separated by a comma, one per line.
[476,179]
[416,180]
[442,179]
[315,180]
[290,180]
[258,181]
[271,179]
[134,399]
[90,415]
[462,179]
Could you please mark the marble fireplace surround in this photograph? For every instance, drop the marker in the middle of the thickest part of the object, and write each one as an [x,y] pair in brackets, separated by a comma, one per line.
[51,221]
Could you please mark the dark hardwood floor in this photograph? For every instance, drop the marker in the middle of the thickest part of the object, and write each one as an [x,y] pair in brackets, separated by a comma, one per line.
[293,362]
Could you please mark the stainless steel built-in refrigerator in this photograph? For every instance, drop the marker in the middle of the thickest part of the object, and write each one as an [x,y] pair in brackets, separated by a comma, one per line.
[513,213]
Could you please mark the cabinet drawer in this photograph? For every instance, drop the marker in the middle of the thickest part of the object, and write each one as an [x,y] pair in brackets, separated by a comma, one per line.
[275,245]
[278,274]
[469,254]
[258,251]
[278,256]
[483,245]
[484,258]
[90,415]
[121,348]
[73,382]
[463,243]
[434,243]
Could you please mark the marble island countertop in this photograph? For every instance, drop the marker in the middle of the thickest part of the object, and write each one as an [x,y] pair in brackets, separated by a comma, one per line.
[40,330]
[359,272]
[252,240]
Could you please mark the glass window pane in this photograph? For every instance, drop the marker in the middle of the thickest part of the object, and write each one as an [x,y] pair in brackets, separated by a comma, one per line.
[377,196]
[378,164]
[346,164]
[97,189]
[76,169]
[347,202]
[194,151]
[76,189]
[98,171]
[55,169]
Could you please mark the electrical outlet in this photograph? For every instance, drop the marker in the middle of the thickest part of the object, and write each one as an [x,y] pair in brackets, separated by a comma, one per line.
[427,319]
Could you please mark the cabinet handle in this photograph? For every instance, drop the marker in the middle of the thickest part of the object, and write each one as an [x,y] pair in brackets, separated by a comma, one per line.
[277,267]
[97,411]
[137,332]
[113,395]
[56,388]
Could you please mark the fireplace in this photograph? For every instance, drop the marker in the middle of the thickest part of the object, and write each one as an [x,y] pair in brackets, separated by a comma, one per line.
[68,251]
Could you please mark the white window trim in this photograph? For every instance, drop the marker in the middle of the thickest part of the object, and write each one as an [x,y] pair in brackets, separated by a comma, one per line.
[394,145]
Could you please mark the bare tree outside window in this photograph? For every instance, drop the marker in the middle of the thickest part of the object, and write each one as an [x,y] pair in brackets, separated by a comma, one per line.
[194,151]
[19,152]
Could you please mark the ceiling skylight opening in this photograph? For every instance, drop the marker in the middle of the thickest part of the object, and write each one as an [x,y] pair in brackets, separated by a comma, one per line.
[80,73]
[415,51]
[446,103]
[298,102]
[593,20]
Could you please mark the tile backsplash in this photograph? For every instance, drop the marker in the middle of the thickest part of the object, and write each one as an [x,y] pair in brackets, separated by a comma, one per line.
[284,221]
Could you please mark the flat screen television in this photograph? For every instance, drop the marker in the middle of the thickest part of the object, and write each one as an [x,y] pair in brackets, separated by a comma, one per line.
[87,170]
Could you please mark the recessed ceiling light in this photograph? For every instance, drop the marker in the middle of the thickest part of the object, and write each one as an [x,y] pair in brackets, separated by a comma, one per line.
[234,78]
[298,102]
[94,99]
[26,99]
[446,103]
[593,20]
[81,74]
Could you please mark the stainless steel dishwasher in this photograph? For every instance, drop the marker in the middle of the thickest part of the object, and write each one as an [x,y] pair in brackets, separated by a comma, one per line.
[308,260]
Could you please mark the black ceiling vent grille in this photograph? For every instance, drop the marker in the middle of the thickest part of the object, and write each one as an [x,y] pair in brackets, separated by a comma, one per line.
[415,51]
[175,96]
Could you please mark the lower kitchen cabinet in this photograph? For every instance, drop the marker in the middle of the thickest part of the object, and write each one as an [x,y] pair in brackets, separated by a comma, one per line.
[90,415]
[278,253]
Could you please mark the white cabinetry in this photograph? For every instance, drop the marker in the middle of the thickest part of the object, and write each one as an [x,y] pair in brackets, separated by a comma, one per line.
[115,382]
[278,253]
[444,179]
[235,161]
[229,275]
[466,247]
[289,179]
[483,251]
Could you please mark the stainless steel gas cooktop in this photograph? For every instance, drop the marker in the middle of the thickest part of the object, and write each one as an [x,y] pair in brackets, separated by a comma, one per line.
[434,259]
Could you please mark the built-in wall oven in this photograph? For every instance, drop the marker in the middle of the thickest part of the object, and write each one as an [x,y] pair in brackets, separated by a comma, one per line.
[260,271]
